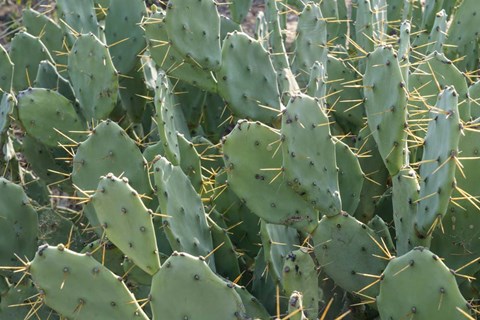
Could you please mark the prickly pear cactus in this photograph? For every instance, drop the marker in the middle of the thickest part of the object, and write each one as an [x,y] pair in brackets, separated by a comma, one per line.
[176,161]
[272,199]
[19,225]
[428,286]
[96,91]
[246,66]
[114,196]
[188,278]
[48,116]
[195,26]
[66,279]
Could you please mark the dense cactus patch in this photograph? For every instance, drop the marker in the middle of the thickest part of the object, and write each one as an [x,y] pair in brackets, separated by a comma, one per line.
[159,162]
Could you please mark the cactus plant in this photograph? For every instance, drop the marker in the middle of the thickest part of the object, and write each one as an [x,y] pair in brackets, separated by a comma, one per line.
[188,168]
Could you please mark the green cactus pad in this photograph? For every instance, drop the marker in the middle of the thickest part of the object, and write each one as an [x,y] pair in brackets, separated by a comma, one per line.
[51,34]
[330,11]
[78,18]
[152,151]
[457,242]
[375,171]
[364,25]
[148,68]
[26,65]
[166,111]
[17,302]
[227,26]
[67,281]
[35,188]
[425,83]
[317,84]
[42,160]
[193,28]
[263,286]
[463,34]
[133,93]
[274,26]
[288,85]
[49,117]
[278,241]
[395,12]
[350,253]
[474,94]
[437,170]
[386,106]
[311,170]
[439,33]
[310,43]
[126,221]
[431,9]
[190,162]
[135,274]
[404,49]
[300,274]
[186,226]
[109,149]
[412,11]
[191,99]
[246,66]
[210,156]
[381,228]
[379,22]
[350,176]
[49,78]
[6,65]
[124,34]
[239,10]
[252,177]
[188,279]
[7,103]
[93,77]
[19,227]
[107,254]
[169,59]
[427,287]
[405,194]
[215,117]
[243,224]
[254,308]
[226,260]
[345,101]
[296,308]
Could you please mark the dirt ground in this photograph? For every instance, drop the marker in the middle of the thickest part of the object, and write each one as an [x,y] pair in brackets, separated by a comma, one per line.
[11,13]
